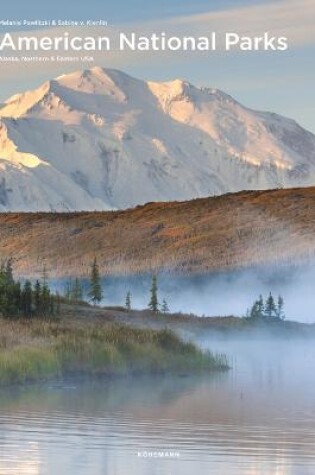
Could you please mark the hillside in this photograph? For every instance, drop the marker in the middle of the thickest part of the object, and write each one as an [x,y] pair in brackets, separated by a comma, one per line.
[100,139]
[226,232]
[191,327]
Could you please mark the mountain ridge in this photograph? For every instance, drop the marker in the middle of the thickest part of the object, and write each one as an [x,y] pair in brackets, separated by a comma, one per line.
[100,139]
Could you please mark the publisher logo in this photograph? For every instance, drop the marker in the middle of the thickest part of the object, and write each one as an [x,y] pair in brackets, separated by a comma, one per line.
[158,454]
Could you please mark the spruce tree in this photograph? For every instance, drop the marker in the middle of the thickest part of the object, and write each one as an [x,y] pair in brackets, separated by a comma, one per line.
[68,290]
[257,310]
[11,301]
[8,290]
[280,305]
[128,301]
[58,303]
[77,293]
[270,307]
[3,286]
[260,307]
[95,292]
[253,312]
[165,307]
[17,298]
[45,300]
[45,276]
[37,297]
[154,302]
[27,299]
[9,272]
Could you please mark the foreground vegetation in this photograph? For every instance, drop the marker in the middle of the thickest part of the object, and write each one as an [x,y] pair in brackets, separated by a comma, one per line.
[199,328]
[38,341]
[35,350]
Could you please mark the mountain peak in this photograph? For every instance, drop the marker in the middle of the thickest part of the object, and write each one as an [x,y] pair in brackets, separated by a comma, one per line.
[175,90]
[99,139]
[18,104]
[96,81]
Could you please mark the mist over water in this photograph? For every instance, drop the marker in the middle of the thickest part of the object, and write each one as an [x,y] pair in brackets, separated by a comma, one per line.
[220,294]
[258,418]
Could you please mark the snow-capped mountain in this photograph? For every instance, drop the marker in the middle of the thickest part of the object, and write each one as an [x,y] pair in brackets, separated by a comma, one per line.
[100,139]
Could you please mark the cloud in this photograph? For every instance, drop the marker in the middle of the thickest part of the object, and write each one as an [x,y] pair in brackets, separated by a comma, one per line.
[291,18]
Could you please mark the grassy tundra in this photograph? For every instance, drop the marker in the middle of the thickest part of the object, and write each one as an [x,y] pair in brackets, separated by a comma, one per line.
[33,350]
[229,232]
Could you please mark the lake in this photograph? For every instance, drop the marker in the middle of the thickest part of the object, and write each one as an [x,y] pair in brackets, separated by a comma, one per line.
[257,419]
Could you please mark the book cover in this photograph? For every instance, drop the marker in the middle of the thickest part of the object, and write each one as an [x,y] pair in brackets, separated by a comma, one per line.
[157,210]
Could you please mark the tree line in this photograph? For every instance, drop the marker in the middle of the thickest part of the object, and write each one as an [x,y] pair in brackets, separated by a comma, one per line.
[267,309]
[27,299]
[74,292]
[30,299]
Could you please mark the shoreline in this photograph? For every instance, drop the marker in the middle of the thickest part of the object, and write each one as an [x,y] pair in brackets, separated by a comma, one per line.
[35,350]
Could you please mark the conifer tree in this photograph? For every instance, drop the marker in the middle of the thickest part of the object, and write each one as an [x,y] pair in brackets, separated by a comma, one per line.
[260,307]
[45,300]
[253,313]
[10,291]
[45,276]
[17,298]
[15,301]
[270,307]
[257,310]
[27,299]
[154,302]
[58,304]
[68,290]
[77,292]
[165,307]
[11,301]
[128,301]
[3,286]
[9,272]
[95,292]
[280,306]
[37,297]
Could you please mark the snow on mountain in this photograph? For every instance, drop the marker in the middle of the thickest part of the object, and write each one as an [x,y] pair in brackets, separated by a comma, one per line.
[100,139]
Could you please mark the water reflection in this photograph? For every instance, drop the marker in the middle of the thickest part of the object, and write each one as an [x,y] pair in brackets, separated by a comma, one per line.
[258,419]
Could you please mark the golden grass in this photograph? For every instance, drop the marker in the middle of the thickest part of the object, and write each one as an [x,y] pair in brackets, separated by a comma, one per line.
[235,230]
[35,350]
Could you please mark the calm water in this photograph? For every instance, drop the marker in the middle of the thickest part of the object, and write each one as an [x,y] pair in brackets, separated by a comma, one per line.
[257,419]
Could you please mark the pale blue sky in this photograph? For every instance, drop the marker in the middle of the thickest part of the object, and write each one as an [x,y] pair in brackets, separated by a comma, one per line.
[118,10]
[280,82]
